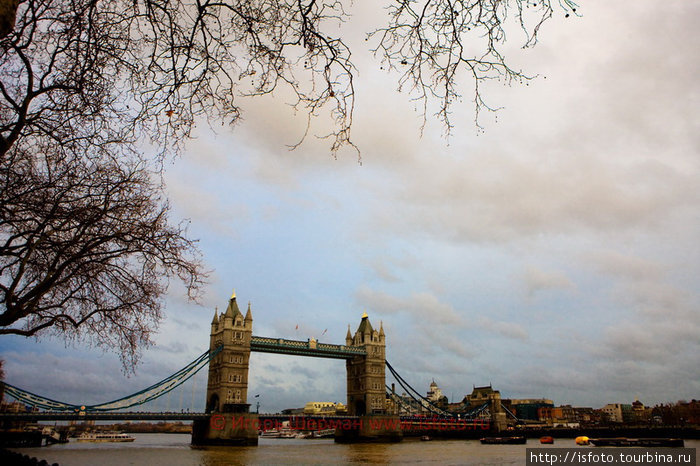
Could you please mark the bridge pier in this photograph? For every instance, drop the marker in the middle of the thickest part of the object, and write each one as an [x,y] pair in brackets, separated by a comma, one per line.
[226,429]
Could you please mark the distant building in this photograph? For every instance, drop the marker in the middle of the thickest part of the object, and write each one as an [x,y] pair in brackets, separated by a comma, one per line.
[14,407]
[527,408]
[585,415]
[689,412]
[436,397]
[614,412]
[481,396]
[640,413]
[434,392]
[327,408]
[561,416]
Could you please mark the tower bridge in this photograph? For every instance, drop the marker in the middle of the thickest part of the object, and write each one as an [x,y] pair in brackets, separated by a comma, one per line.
[227,419]
[227,387]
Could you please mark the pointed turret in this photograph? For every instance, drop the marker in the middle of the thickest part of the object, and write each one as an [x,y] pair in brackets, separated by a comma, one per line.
[348,337]
[232,309]
[365,327]
[215,320]
[248,315]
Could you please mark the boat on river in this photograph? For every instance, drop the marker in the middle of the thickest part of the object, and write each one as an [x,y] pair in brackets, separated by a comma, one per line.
[637,442]
[105,437]
[503,440]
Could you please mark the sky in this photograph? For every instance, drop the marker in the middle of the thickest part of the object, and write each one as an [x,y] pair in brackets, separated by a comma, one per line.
[555,253]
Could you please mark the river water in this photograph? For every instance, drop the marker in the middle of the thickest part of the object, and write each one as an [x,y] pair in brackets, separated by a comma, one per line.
[175,450]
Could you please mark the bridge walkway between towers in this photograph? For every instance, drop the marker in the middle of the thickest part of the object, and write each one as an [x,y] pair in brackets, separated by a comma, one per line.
[304,348]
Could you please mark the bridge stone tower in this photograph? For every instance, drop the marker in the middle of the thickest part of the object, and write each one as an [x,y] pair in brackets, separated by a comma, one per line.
[367,388]
[365,374]
[227,387]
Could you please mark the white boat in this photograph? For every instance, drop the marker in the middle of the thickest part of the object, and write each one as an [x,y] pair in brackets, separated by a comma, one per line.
[105,437]
[284,432]
[272,433]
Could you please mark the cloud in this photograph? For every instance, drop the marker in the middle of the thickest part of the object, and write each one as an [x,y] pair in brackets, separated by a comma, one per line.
[510,330]
[199,203]
[624,266]
[501,198]
[537,280]
[423,306]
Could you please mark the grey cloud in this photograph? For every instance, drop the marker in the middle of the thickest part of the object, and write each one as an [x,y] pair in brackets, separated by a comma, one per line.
[202,206]
[420,305]
[507,329]
[536,280]
[624,266]
[497,199]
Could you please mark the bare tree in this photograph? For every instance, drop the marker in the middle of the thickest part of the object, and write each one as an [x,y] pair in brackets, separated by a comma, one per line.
[152,67]
[436,44]
[86,251]
[85,244]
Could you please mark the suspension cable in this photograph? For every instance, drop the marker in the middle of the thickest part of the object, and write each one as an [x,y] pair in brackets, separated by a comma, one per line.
[423,401]
[147,394]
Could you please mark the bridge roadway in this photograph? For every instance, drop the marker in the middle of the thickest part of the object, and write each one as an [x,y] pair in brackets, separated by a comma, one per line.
[144,416]
[276,419]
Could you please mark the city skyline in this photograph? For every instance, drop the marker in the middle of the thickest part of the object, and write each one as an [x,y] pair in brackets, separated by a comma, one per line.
[553,254]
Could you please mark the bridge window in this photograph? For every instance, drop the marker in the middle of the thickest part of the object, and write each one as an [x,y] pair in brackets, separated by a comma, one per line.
[238,395]
[228,395]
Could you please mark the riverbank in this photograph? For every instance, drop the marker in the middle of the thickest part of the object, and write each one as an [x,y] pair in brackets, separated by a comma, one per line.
[18,459]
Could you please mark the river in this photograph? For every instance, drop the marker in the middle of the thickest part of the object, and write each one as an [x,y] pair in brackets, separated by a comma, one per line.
[175,450]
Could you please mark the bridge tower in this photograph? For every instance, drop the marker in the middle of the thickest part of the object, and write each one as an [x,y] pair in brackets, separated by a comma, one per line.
[227,387]
[365,374]
[366,387]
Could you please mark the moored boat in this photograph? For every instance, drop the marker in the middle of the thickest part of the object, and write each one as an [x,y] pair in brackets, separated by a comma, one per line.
[547,440]
[637,442]
[105,437]
[503,440]
[582,440]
